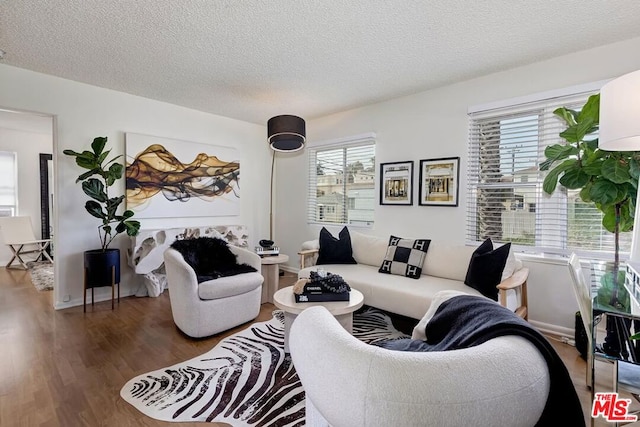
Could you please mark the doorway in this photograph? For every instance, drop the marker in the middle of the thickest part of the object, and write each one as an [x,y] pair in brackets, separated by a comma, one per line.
[28,138]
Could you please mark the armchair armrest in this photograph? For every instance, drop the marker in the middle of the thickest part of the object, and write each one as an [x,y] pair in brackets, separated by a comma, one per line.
[309,251]
[304,253]
[245,256]
[517,282]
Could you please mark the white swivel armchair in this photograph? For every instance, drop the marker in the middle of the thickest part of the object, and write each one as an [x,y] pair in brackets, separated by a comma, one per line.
[503,382]
[207,308]
[17,234]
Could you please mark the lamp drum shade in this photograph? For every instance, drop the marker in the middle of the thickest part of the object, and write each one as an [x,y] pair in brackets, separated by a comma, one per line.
[620,114]
[286,133]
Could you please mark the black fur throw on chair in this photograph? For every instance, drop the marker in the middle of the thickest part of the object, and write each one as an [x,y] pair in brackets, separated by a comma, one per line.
[210,258]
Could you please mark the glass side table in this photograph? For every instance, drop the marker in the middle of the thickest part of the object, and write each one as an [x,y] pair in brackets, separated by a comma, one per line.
[621,323]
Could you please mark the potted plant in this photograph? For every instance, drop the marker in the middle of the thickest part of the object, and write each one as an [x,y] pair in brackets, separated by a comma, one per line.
[102,266]
[608,179]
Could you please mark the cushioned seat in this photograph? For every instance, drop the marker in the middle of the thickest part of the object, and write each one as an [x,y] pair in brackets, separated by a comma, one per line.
[445,267]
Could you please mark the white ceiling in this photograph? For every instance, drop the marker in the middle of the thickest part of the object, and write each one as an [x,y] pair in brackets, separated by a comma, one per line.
[253,59]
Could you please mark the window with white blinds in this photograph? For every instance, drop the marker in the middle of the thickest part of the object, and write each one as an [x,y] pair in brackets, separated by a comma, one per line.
[8,183]
[342,182]
[505,198]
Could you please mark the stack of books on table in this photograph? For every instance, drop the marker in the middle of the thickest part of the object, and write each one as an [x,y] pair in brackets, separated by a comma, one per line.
[315,293]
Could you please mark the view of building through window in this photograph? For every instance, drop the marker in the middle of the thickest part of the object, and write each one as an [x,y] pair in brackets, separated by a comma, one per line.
[506,200]
[343,185]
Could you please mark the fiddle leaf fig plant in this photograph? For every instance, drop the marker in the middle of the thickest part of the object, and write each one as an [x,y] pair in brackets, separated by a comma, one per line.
[608,179]
[100,175]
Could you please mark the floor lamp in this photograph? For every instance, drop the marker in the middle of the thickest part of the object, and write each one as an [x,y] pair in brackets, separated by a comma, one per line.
[286,133]
[620,131]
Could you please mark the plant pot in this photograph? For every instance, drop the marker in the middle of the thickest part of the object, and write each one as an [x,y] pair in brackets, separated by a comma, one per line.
[99,266]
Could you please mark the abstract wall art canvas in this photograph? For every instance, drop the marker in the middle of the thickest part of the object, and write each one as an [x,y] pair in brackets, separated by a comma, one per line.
[173,178]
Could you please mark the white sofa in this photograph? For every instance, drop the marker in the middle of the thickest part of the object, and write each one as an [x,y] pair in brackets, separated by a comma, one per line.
[444,268]
[502,382]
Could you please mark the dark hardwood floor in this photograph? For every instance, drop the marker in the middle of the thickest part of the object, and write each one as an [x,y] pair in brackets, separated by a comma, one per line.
[66,367]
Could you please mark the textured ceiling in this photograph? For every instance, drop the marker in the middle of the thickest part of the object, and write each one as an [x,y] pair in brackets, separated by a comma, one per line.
[253,59]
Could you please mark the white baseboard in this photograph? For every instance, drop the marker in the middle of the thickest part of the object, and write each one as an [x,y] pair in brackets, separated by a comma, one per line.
[555,330]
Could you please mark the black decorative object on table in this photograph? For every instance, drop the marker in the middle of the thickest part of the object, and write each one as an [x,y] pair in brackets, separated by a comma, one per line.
[324,286]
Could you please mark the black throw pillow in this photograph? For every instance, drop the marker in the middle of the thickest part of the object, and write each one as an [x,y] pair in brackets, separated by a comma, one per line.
[335,251]
[485,268]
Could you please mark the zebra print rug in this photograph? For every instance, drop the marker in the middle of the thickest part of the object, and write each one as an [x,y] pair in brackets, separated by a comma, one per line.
[246,380]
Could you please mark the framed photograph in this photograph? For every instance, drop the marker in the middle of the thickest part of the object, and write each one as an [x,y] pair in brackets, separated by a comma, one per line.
[439,181]
[396,183]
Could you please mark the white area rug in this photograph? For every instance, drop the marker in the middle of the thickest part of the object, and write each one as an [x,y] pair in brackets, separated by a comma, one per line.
[246,380]
[41,275]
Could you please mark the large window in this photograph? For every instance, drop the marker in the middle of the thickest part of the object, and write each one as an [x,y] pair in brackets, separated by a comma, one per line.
[8,184]
[505,197]
[342,182]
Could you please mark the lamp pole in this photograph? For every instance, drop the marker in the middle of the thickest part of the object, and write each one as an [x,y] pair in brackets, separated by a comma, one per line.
[273,159]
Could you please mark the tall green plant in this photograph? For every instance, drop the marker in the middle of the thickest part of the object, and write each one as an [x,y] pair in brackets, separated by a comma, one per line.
[608,179]
[102,206]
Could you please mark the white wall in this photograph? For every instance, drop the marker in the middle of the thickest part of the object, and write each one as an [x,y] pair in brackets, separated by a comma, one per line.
[84,112]
[434,124]
[27,146]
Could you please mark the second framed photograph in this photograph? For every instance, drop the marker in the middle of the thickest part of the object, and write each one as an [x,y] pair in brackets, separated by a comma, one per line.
[396,183]
[439,181]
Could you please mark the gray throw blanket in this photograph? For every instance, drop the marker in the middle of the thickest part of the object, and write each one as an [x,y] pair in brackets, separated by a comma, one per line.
[466,321]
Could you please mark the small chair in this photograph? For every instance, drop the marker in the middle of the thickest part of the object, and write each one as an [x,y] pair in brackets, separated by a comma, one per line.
[502,382]
[207,308]
[17,233]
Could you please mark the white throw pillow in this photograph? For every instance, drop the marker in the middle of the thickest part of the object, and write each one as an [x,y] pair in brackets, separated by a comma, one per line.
[511,266]
[369,250]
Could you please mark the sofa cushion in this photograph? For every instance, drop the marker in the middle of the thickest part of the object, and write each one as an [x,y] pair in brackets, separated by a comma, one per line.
[398,294]
[368,249]
[447,261]
[405,257]
[485,268]
[512,265]
[335,251]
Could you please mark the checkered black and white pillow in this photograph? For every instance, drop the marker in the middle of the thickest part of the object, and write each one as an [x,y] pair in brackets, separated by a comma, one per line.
[405,257]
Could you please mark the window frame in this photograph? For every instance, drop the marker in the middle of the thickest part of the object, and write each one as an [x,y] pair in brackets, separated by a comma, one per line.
[362,140]
[541,104]
[12,209]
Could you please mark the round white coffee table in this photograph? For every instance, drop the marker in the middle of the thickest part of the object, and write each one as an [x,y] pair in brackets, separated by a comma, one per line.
[341,310]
